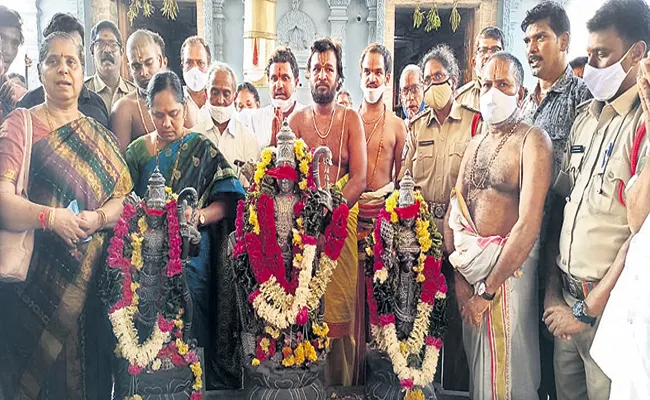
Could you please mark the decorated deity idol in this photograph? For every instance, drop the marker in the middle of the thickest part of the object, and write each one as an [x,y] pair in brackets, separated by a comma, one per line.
[283,271]
[147,296]
[406,295]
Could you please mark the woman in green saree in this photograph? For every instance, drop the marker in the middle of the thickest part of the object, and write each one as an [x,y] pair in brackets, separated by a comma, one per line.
[43,340]
[188,159]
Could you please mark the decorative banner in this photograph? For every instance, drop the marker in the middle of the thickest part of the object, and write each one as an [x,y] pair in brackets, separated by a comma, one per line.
[256,57]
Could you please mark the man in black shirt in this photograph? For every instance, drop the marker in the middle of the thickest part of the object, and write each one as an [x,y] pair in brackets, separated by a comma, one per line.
[90,104]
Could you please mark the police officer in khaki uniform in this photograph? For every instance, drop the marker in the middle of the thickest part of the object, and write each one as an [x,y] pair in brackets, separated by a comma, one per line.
[488,42]
[436,143]
[599,161]
[439,134]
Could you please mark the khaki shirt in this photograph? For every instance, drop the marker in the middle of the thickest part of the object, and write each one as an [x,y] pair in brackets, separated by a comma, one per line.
[595,221]
[97,85]
[469,94]
[435,152]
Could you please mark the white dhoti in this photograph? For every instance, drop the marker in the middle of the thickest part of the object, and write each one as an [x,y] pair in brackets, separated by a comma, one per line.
[503,352]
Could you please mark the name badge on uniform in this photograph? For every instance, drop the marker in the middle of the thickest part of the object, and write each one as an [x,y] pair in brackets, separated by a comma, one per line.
[426,143]
[577,149]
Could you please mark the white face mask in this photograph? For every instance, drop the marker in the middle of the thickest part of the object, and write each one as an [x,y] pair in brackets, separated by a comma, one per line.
[603,83]
[372,95]
[284,105]
[221,114]
[497,106]
[195,79]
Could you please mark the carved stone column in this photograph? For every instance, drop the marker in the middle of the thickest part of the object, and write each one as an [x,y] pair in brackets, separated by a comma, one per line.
[372,20]
[338,20]
[259,38]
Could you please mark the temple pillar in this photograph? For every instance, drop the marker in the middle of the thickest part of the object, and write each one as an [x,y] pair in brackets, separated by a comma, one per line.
[338,20]
[372,20]
[207,13]
[259,38]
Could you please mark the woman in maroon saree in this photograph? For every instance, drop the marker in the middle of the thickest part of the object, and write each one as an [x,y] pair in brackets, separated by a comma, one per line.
[42,338]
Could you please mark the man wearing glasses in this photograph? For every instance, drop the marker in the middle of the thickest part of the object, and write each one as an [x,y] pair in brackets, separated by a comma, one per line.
[106,49]
[410,92]
[488,42]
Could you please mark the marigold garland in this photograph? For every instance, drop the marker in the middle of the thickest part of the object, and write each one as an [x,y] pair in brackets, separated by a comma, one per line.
[285,301]
[157,346]
[424,340]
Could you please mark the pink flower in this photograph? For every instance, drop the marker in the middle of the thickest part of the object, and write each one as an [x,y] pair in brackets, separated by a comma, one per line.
[178,335]
[191,357]
[372,302]
[297,209]
[260,354]
[434,341]
[174,267]
[309,240]
[134,369]
[407,383]
[129,211]
[165,325]
[117,244]
[386,319]
[174,253]
[121,228]
[302,317]
[196,396]
[177,360]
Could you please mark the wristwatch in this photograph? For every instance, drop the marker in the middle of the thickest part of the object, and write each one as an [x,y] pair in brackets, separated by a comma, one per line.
[580,313]
[201,219]
[481,290]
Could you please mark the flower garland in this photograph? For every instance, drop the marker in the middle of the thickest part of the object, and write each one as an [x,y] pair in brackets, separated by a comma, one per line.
[165,340]
[287,301]
[429,325]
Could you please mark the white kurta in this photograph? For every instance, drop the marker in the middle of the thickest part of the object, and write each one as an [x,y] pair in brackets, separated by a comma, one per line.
[621,347]
[236,143]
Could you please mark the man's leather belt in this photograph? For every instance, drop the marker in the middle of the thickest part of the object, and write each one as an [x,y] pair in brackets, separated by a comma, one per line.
[437,209]
[576,287]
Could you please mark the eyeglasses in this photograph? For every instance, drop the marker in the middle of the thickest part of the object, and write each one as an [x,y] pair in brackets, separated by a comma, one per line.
[411,90]
[102,45]
[488,50]
[438,77]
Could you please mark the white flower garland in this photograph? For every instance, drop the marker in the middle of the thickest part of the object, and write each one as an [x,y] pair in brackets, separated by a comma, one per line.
[127,338]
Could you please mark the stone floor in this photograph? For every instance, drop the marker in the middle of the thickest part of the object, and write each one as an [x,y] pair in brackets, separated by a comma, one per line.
[351,393]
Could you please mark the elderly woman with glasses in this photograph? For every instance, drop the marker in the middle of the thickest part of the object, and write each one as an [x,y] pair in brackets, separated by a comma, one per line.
[77,182]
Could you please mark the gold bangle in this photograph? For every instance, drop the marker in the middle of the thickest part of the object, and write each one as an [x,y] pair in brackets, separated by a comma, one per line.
[102,218]
[51,217]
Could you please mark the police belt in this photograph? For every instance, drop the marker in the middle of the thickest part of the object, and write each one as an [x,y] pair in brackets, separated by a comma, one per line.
[437,209]
[577,288]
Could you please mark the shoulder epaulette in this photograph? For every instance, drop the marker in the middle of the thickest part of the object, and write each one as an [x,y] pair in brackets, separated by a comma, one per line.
[419,115]
[465,88]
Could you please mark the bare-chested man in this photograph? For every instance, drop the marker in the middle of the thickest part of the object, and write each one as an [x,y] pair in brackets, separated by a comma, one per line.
[385,138]
[340,129]
[495,215]
[129,118]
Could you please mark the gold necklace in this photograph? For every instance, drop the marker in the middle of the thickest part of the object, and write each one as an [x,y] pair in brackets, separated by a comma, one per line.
[144,124]
[381,147]
[376,122]
[48,117]
[178,156]
[329,130]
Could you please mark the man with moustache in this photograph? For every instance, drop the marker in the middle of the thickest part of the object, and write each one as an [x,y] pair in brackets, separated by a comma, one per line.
[601,154]
[90,104]
[488,42]
[282,71]
[129,118]
[495,249]
[195,60]
[410,92]
[327,124]
[552,107]
[385,136]
[11,38]
[106,49]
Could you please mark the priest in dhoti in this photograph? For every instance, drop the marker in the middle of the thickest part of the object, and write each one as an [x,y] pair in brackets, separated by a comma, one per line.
[495,217]
[340,129]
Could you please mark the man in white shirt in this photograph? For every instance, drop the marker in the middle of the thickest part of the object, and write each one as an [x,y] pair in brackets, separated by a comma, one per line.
[282,71]
[219,123]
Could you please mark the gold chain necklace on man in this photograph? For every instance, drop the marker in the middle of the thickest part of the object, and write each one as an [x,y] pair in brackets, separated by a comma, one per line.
[472,173]
[382,117]
[144,124]
[329,130]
